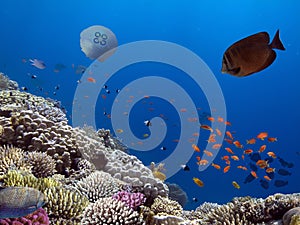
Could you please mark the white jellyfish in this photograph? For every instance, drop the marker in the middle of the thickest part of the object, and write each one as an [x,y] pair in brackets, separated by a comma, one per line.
[98,42]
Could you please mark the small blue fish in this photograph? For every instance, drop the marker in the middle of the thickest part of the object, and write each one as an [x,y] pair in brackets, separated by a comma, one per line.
[19,201]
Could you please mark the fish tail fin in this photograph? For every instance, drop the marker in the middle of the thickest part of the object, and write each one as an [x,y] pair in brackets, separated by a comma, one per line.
[276,43]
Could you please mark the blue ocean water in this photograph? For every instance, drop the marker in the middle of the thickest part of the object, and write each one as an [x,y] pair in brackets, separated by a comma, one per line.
[266,101]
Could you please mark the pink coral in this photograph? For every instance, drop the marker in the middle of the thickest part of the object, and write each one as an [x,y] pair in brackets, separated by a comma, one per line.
[39,217]
[133,200]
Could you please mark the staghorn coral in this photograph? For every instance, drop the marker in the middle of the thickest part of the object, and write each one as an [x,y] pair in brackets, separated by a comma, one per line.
[42,164]
[65,204]
[133,200]
[109,211]
[13,158]
[98,185]
[165,206]
[16,178]
[39,217]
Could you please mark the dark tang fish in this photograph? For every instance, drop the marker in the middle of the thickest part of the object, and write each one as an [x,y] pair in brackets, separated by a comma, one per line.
[19,201]
[251,54]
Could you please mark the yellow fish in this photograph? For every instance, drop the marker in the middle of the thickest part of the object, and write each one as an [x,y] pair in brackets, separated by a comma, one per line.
[236,185]
[198,181]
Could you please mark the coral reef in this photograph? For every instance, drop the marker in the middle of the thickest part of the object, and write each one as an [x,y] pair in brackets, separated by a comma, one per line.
[42,164]
[7,84]
[165,206]
[13,158]
[106,211]
[39,217]
[133,200]
[98,185]
[63,203]
[157,171]
[16,178]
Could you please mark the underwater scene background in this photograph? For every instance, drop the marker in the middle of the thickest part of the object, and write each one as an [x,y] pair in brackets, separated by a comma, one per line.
[267,101]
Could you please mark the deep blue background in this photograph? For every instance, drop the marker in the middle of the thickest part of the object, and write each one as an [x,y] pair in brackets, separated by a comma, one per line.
[267,101]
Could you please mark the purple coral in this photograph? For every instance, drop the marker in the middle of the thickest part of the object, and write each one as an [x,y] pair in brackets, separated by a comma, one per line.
[133,200]
[39,217]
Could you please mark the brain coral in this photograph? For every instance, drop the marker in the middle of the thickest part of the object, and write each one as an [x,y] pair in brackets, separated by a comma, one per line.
[109,211]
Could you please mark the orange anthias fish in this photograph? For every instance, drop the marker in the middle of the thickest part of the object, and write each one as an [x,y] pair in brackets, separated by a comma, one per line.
[262,148]
[225,157]
[203,162]
[248,151]
[242,167]
[211,119]
[216,166]
[267,178]
[262,135]
[238,144]
[227,123]
[90,79]
[215,146]
[226,169]
[211,138]
[228,133]
[206,127]
[272,154]
[272,139]
[251,141]
[270,170]
[235,157]
[254,174]
[229,151]
[220,119]
[218,132]
[198,158]
[251,54]
[196,148]
[208,153]
[229,141]
[199,182]
[262,163]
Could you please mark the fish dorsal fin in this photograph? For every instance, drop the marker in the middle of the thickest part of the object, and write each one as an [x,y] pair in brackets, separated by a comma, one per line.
[276,42]
[261,37]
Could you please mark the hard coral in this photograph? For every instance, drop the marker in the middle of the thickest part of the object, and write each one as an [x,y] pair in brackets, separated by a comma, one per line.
[12,158]
[6,83]
[63,203]
[133,200]
[42,164]
[109,211]
[98,185]
[39,217]
[167,206]
[287,217]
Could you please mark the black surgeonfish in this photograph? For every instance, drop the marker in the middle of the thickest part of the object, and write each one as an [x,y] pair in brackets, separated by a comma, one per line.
[251,54]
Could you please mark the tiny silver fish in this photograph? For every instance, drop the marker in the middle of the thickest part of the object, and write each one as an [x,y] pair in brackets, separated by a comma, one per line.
[38,63]
[19,201]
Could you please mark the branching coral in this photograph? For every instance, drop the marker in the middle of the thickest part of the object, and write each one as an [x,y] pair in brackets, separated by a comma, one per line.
[98,185]
[166,206]
[42,164]
[63,203]
[12,158]
[108,211]
[15,178]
